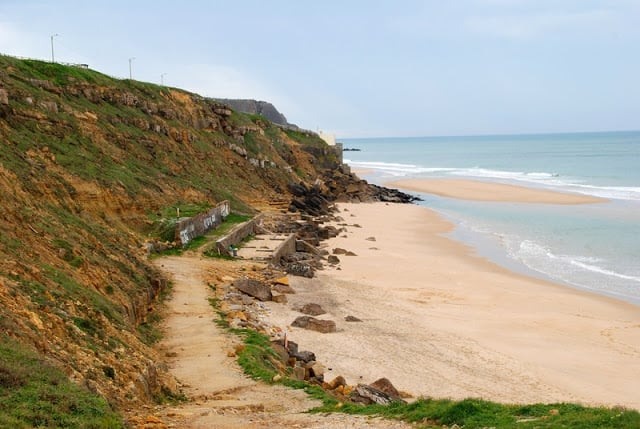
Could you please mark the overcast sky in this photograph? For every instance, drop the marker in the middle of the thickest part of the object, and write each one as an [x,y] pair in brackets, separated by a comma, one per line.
[365,68]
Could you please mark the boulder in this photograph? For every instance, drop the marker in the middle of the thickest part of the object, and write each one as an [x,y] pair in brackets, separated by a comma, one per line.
[282,281]
[333,260]
[280,288]
[335,383]
[279,298]
[370,395]
[300,269]
[312,309]
[339,251]
[313,324]
[254,288]
[352,319]
[384,385]
[303,356]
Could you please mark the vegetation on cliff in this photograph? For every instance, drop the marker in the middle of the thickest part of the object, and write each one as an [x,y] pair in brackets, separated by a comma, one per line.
[88,165]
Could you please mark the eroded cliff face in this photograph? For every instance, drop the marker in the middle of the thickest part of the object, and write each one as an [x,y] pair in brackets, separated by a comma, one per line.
[85,162]
[256,107]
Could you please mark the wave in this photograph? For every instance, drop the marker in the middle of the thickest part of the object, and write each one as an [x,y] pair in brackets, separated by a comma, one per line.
[546,179]
[528,251]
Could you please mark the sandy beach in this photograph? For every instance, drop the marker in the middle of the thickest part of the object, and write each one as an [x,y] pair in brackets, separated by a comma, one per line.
[485,191]
[439,321]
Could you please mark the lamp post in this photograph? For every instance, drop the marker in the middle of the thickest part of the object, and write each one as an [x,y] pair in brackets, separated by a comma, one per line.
[130,60]
[53,59]
[162,79]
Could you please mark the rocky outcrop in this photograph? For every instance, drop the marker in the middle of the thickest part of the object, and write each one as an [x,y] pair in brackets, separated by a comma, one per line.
[335,186]
[256,107]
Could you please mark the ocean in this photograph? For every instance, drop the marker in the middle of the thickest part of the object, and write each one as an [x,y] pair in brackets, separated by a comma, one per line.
[595,247]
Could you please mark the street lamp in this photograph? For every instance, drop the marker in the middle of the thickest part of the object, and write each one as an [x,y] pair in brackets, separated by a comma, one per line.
[130,60]
[162,78]
[53,60]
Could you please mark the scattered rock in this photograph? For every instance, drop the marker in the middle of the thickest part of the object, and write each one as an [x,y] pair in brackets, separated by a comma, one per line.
[280,288]
[384,385]
[313,324]
[350,254]
[335,383]
[282,281]
[301,269]
[352,319]
[316,370]
[339,251]
[304,356]
[333,260]
[370,395]
[370,239]
[279,298]
[312,309]
[254,288]
[299,373]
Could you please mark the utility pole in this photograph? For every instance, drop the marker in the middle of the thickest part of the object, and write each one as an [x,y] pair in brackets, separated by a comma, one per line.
[53,59]
[162,79]
[130,74]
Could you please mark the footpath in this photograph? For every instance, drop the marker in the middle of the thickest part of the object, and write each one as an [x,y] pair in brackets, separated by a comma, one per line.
[201,356]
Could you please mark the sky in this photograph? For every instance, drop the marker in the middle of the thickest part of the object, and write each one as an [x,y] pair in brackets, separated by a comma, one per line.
[361,68]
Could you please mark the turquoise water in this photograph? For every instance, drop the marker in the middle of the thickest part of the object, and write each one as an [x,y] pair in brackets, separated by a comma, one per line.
[595,246]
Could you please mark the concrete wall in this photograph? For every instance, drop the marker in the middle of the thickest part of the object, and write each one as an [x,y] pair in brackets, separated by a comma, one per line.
[196,226]
[287,247]
[237,234]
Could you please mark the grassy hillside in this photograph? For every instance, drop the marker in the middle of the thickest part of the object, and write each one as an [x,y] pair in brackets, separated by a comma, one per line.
[87,164]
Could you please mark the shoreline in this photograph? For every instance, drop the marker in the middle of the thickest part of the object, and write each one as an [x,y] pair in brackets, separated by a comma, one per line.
[440,321]
[476,190]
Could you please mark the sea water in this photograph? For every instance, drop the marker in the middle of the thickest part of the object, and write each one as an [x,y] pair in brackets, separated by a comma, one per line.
[589,246]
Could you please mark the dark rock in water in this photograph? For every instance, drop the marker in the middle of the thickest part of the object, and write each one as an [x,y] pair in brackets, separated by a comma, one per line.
[313,324]
[312,309]
[352,319]
[254,288]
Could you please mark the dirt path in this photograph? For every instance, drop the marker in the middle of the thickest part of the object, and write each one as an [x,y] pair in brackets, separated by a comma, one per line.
[221,395]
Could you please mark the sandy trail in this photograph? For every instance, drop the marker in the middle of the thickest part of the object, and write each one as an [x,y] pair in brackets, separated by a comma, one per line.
[221,395]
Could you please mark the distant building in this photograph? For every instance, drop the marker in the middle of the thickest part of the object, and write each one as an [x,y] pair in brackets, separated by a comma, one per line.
[330,139]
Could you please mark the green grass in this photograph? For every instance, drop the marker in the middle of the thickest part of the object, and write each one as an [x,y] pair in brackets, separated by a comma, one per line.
[34,394]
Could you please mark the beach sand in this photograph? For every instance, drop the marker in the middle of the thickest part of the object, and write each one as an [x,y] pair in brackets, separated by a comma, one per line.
[490,191]
[439,321]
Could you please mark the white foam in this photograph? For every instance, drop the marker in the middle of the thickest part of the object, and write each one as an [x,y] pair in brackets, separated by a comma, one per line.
[533,255]
[604,271]
[546,179]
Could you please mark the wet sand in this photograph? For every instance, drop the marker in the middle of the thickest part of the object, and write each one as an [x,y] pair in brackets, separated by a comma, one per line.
[491,191]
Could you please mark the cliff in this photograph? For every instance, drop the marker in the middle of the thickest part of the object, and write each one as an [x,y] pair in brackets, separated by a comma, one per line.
[88,165]
[255,107]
